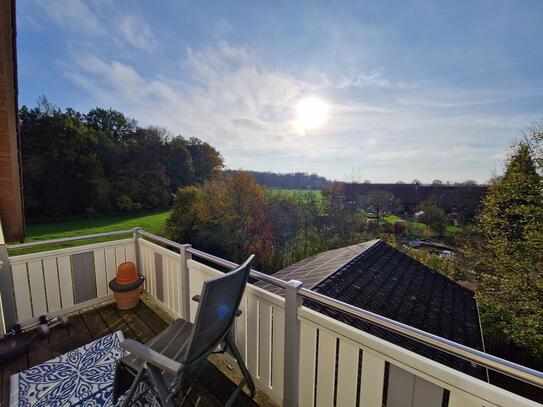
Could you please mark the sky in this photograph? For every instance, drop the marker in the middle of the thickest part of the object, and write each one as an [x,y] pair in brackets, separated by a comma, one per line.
[413,89]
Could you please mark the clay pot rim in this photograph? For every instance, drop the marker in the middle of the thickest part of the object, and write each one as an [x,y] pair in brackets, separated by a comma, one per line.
[115,286]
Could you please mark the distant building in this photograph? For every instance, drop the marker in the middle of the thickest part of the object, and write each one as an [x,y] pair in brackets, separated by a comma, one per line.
[381,279]
[452,198]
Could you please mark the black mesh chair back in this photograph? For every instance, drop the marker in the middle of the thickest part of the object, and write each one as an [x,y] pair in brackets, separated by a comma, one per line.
[219,303]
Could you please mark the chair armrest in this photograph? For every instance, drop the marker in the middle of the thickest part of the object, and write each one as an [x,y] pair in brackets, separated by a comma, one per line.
[150,356]
[196,298]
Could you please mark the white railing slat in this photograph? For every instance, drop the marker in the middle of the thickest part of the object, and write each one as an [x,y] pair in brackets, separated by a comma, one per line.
[457,399]
[111,265]
[347,373]
[308,341]
[241,327]
[264,342]
[22,291]
[372,380]
[130,251]
[100,273]
[326,368]
[278,333]
[65,281]
[120,256]
[50,273]
[427,394]
[37,288]
[252,334]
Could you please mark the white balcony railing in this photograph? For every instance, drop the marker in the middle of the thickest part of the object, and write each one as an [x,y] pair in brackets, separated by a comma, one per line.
[296,355]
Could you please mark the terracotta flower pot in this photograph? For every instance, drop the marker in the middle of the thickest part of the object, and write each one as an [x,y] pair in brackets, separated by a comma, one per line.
[127,299]
[126,286]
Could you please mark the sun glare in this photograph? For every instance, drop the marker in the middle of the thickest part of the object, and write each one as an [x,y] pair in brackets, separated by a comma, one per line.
[311,114]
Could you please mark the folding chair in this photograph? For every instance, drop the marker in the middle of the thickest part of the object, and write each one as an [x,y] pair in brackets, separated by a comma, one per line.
[169,358]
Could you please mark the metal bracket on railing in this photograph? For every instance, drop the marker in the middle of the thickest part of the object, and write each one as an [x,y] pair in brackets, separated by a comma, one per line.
[292,344]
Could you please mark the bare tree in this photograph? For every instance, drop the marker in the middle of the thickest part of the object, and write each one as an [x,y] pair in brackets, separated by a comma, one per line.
[379,203]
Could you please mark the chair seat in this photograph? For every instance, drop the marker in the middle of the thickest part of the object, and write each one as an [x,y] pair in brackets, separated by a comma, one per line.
[171,342]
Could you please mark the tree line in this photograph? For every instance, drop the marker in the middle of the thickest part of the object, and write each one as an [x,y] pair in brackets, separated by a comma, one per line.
[84,163]
[294,180]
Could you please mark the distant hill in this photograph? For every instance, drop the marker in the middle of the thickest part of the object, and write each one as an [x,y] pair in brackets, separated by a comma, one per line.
[295,180]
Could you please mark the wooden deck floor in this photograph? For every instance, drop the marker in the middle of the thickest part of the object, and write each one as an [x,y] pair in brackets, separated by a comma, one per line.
[207,387]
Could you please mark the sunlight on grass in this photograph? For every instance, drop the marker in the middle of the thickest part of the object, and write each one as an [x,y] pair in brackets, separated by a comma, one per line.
[152,222]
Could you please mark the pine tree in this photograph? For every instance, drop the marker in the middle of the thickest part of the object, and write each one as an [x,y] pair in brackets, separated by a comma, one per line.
[508,252]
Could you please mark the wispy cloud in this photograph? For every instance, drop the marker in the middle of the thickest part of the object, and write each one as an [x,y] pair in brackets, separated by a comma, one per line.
[72,14]
[137,33]
[98,19]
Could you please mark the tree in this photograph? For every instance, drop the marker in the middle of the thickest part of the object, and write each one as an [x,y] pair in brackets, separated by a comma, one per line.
[186,215]
[416,181]
[437,182]
[206,161]
[533,136]
[379,203]
[114,124]
[339,217]
[178,163]
[507,252]
[433,216]
[62,173]
[142,179]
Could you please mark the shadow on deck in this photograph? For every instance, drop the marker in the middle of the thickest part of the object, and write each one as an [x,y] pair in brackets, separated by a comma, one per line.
[207,387]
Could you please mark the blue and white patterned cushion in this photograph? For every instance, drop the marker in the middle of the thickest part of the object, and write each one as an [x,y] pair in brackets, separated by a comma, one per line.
[81,377]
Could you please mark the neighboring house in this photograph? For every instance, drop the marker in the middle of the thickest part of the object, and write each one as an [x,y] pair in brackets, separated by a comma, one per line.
[381,279]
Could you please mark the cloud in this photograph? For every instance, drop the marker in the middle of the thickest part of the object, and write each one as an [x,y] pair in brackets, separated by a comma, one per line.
[225,97]
[137,33]
[74,15]
[96,18]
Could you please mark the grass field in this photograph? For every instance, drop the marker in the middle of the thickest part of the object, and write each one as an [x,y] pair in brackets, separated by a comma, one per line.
[153,222]
[316,192]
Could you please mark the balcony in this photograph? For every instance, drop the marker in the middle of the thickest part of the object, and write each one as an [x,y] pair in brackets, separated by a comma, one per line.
[297,356]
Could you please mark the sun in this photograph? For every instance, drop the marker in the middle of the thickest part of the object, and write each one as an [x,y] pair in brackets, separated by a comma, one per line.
[311,114]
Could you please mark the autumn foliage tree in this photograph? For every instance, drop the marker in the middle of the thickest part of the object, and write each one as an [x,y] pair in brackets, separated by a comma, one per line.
[227,216]
[507,252]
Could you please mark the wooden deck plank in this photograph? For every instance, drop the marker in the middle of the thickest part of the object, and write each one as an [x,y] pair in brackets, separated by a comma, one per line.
[140,328]
[157,324]
[114,323]
[78,331]
[94,322]
[220,385]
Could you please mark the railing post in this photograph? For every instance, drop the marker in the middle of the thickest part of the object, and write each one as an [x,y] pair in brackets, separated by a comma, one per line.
[7,296]
[185,282]
[292,344]
[136,234]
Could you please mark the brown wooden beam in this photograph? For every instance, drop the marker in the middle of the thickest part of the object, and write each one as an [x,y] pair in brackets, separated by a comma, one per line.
[11,204]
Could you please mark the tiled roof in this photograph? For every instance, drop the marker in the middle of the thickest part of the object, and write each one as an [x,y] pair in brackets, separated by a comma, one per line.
[313,269]
[383,280]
